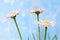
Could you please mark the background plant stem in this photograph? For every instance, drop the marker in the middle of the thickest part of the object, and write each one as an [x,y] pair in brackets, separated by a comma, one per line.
[28,37]
[33,36]
[17,28]
[45,33]
[48,36]
[38,27]
[55,37]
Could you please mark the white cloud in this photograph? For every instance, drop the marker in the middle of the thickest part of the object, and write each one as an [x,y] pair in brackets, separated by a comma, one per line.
[4,20]
[54,16]
[0,28]
[10,1]
[8,29]
[21,4]
[26,0]
[35,3]
[30,31]
[23,29]
[6,1]
[56,13]
[23,14]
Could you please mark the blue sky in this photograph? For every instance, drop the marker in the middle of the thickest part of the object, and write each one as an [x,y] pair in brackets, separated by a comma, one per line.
[27,21]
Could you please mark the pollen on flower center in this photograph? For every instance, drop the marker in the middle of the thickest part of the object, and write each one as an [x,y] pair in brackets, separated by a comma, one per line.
[46,22]
[37,9]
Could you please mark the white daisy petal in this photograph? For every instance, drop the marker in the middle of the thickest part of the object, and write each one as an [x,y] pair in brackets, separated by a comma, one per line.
[12,14]
[47,23]
[37,10]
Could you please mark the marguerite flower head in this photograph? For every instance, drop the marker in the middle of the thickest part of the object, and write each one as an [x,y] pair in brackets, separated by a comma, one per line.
[47,23]
[12,14]
[37,10]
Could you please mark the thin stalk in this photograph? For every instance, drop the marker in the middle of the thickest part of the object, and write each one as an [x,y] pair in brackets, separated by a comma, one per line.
[28,37]
[45,33]
[55,37]
[17,28]
[33,36]
[48,36]
[38,27]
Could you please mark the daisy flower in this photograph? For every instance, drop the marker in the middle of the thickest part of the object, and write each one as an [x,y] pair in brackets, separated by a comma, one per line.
[12,14]
[47,23]
[37,10]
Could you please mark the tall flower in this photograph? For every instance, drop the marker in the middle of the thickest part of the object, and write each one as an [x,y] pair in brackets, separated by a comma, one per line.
[46,23]
[37,11]
[13,15]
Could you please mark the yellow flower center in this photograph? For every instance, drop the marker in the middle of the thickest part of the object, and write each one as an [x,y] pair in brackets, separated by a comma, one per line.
[46,22]
[37,9]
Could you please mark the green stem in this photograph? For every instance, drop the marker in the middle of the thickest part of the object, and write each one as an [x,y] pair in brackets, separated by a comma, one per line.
[48,36]
[45,33]
[38,27]
[17,28]
[28,37]
[33,36]
[55,37]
